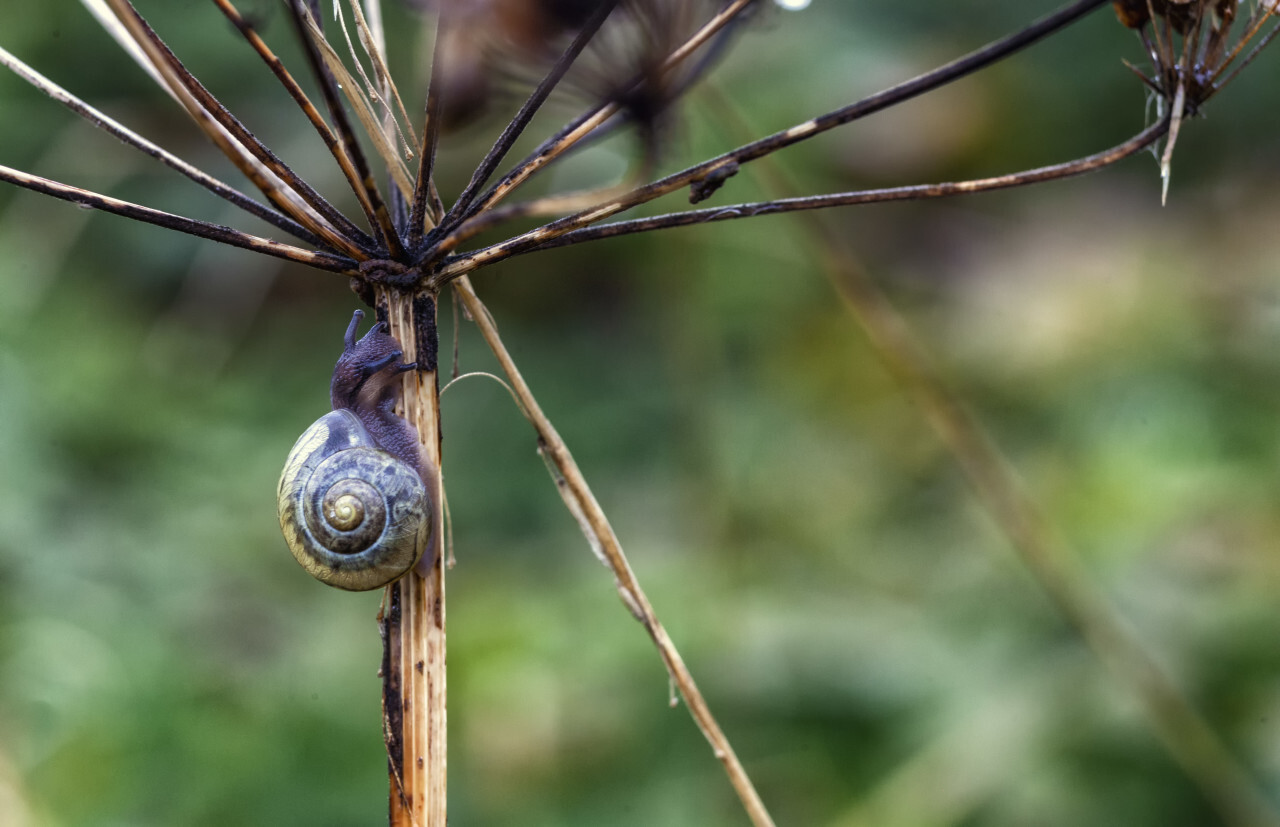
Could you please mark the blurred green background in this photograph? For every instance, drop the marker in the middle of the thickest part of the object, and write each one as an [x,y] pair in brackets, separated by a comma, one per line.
[873,649]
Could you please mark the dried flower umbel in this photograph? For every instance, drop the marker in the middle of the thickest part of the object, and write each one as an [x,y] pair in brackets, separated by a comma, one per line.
[1191,46]
[408,242]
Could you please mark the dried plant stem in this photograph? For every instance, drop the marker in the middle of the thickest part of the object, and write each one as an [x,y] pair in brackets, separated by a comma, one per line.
[414,686]
[586,124]
[513,130]
[730,161]
[917,192]
[342,145]
[425,207]
[112,127]
[203,229]
[363,107]
[273,178]
[582,504]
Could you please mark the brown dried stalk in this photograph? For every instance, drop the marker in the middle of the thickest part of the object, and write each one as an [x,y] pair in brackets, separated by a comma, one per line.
[276,181]
[585,125]
[582,504]
[730,161]
[345,149]
[413,621]
[319,260]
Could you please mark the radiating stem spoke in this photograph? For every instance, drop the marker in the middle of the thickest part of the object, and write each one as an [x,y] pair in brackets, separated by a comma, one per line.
[576,228]
[213,232]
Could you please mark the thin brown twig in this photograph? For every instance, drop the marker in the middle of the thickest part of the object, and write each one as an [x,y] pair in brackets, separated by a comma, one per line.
[425,209]
[364,110]
[1255,23]
[379,93]
[547,206]
[595,525]
[919,85]
[372,38]
[351,240]
[332,98]
[190,226]
[344,149]
[588,123]
[1249,58]
[573,229]
[106,123]
[151,52]
[515,127]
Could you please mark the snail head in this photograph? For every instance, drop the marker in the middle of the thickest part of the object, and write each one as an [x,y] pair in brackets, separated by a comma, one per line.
[365,378]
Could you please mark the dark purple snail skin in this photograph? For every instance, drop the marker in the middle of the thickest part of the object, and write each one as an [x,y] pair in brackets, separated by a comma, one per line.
[357,497]
[366,381]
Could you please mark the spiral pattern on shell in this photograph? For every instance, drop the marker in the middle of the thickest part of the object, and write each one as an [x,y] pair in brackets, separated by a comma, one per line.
[354,516]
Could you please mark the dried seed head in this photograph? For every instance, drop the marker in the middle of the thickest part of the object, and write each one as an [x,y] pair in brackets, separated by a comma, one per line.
[1190,42]
[1132,13]
[626,62]
[493,46]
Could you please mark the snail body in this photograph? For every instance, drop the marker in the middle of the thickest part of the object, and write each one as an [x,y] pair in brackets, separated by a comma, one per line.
[355,499]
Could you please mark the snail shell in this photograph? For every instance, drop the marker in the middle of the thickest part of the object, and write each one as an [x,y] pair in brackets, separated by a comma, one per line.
[354,502]
[355,516]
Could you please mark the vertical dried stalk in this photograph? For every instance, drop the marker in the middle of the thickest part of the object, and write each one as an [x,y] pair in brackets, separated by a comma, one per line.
[413,623]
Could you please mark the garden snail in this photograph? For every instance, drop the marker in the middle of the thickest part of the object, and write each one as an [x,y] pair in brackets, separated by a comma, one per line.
[355,497]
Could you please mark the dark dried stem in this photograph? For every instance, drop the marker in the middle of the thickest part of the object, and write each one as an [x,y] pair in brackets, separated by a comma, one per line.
[548,206]
[569,231]
[343,146]
[125,24]
[922,191]
[587,123]
[203,229]
[112,127]
[1249,58]
[350,238]
[1256,22]
[462,207]
[892,96]
[298,15]
[423,186]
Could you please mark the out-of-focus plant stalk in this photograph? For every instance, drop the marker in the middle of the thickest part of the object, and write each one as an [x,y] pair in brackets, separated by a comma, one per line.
[1050,561]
